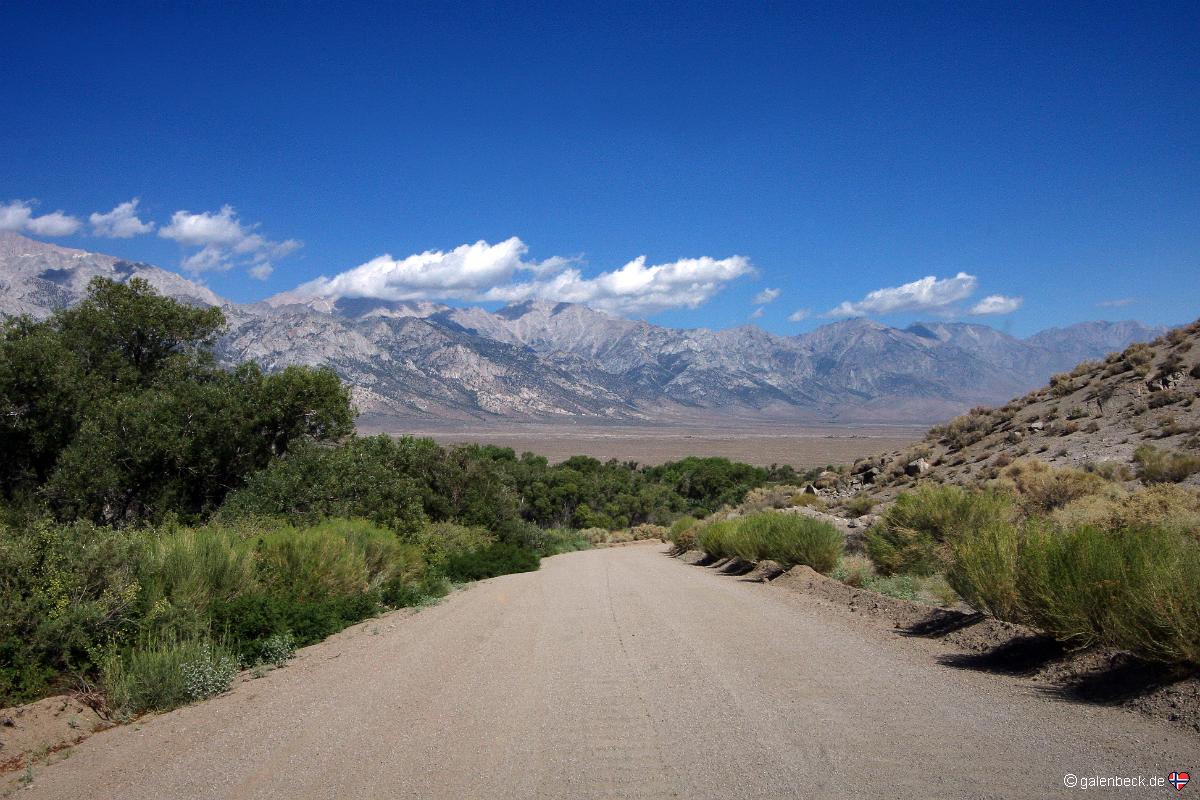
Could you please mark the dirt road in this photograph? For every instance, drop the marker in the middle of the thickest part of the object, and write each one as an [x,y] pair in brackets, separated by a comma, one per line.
[619,673]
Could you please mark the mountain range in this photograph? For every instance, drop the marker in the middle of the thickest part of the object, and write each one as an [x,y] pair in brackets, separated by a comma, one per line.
[428,362]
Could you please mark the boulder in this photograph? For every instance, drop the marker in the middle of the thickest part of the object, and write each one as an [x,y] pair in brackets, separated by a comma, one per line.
[918,467]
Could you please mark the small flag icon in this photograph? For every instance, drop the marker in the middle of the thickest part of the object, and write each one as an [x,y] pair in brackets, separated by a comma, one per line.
[1179,780]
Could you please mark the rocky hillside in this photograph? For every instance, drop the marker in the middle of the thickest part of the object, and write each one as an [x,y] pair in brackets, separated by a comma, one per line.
[1133,415]
[36,278]
[540,360]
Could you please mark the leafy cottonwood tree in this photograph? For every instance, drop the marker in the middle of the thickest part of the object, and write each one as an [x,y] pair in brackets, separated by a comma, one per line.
[115,410]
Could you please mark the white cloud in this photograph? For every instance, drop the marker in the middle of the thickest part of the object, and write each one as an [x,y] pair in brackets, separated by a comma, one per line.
[224,242]
[766,296]
[927,294]
[1120,302]
[758,312]
[799,315]
[17,215]
[483,272]
[996,304]
[120,223]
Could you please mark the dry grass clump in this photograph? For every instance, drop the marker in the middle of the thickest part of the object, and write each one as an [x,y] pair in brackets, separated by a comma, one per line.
[1163,466]
[964,430]
[858,505]
[1167,506]
[1041,488]
[594,535]
[778,496]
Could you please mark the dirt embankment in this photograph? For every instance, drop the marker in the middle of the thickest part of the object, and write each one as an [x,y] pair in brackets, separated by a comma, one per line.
[979,642]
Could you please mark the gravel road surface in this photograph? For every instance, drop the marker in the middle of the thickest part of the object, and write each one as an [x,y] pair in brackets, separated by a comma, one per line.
[620,673]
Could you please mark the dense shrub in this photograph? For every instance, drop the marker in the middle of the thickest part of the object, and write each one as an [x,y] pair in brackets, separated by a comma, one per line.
[1137,589]
[1163,466]
[916,532]
[984,569]
[859,505]
[115,411]
[64,591]
[563,540]
[1165,506]
[1041,488]
[497,559]
[716,538]
[162,674]
[789,539]
[682,533]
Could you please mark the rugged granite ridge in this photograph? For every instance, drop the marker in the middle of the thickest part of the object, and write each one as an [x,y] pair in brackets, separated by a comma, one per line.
[428,361]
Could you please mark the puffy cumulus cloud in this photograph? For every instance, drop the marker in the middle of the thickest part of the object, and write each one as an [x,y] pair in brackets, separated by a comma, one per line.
[927,294]
[996,304]
[120,223]
[18,216]
[757,313]
[224,242]
[766,296]
[799,315]
[482,272]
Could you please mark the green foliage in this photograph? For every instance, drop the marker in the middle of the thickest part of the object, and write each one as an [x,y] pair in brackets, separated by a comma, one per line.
[115,412]
[859,505]
[984,569]
[564,540]
[682,533]
[277,649]
[161,674]
[916,532]
[1138,590]
[64,591]
[789,539]
[365,477]
[497,559]
[1164,466]
[717,538]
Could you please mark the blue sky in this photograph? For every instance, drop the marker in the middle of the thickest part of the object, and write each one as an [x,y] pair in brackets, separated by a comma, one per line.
[1041,161]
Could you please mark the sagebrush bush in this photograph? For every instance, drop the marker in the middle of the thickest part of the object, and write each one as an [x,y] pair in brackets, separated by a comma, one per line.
[646,531]
[764,497]
[806,500]
[916,532]
[1161,505]
[594,535]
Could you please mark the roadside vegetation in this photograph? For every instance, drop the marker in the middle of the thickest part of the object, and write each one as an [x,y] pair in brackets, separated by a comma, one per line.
[166,521]
[1082,558]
